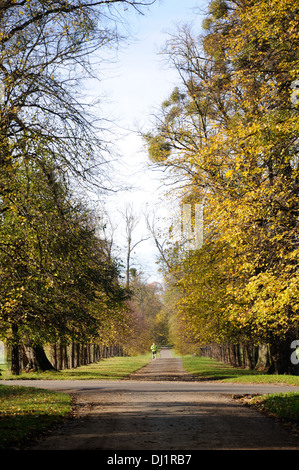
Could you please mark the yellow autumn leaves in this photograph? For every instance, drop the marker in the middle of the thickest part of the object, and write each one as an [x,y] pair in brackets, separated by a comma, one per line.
[239,153]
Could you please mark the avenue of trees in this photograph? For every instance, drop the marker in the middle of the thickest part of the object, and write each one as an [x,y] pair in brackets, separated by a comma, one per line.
[59,284]
[228,139]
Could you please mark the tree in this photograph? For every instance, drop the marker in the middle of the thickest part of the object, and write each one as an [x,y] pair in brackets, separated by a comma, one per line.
[53,268]
[57,281]
[230,134]
[148,300]
[131,221]
[45,51]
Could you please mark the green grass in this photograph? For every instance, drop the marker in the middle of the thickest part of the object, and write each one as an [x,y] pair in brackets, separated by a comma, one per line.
[113,368]
[26,412]
[205,368]
[282,405]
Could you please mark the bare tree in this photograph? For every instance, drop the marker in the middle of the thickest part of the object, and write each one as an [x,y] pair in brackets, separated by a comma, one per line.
[45,52]
[106,228]
[131,222]
[160,242]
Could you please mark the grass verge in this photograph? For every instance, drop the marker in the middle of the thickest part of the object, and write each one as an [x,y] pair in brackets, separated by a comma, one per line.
[284,406]
[113,368]
[26,412]
[204,368]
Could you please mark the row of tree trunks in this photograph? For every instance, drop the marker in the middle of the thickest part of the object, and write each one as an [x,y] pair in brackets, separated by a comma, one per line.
[272,359]
[74,355]
[240,355]
[57,356]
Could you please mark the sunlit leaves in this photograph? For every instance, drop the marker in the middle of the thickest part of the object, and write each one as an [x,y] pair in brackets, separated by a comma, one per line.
[234,141]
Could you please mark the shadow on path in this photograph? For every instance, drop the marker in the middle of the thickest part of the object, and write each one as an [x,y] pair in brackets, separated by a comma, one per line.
[148,412]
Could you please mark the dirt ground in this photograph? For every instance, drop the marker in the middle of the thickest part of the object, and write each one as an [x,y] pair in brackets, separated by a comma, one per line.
[147,412]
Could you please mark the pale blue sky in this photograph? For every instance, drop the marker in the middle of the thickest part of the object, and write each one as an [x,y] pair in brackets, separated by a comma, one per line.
[137,83]
[141,80]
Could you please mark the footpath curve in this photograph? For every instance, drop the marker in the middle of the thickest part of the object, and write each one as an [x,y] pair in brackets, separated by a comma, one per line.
[159,408]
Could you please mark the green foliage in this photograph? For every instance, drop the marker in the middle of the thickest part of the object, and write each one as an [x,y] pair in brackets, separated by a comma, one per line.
[57,281]
[218,9]
[158,148]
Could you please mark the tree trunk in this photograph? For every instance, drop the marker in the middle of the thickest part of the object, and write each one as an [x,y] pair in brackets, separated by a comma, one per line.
[15,361]
[263,361]
[280,358]
[73,350]
[37,359]
[54,355]
[249,356]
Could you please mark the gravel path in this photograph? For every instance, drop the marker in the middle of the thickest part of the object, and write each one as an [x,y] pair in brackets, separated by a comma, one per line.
[157,408]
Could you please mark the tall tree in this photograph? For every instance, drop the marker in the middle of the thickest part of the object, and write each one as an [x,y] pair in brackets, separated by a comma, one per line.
[57,281]
[230,132]
[45,52]
[50,260]
[131,221]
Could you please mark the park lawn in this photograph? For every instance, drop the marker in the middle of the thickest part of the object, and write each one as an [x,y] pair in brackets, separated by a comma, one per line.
[26,412]
[112,368]
[204,368]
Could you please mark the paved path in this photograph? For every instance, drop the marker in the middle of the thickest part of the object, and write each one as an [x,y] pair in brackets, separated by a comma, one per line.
[165,368]
[159,409]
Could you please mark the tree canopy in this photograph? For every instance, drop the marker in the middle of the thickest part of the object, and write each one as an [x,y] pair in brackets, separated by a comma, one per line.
[57,281]
[229,133]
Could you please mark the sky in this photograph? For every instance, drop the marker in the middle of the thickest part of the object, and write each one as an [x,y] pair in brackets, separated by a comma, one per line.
[135,85]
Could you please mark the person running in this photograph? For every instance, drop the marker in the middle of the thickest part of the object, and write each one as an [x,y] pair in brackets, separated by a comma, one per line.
[154,350]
